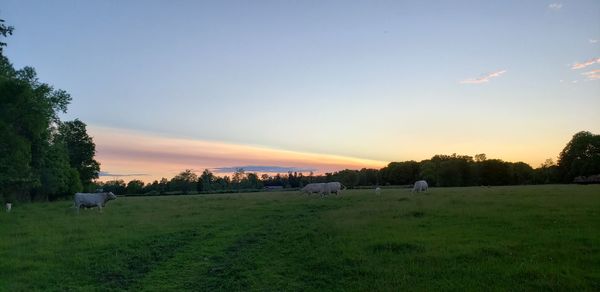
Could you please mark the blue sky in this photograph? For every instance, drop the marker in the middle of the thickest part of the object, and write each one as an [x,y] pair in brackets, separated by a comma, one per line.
[378,80]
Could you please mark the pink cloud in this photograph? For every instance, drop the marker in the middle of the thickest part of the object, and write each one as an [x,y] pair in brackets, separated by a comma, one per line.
[483,79]
[153,156]
[592,75]
[585,64]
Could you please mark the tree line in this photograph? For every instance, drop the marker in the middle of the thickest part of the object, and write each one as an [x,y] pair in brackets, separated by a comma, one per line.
[41,157]
[579,158]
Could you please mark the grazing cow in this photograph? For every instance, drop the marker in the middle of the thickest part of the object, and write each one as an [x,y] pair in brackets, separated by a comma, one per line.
[8,207]
[332,187]
[378,190]
[313,188]
[420,186]
[323,188]
[90,200]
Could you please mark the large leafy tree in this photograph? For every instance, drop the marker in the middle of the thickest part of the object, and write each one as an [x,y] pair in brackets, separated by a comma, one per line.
[28,115]
[81,150]
[33,162]
[57,177]
[580,157]
[135,186]
[185,181]
[207,179]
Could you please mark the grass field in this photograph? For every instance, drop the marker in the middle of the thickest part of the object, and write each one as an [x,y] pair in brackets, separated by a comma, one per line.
[478,238]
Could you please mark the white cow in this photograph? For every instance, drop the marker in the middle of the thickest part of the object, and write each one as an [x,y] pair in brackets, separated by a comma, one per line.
[378,190]
[332,187]
[313,188]
[90,200]
[323,188]
[420,186]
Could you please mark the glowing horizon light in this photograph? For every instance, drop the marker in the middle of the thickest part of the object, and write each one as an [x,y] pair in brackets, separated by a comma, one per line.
[124,153]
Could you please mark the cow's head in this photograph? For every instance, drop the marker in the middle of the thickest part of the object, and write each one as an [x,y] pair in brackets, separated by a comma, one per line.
[110,196]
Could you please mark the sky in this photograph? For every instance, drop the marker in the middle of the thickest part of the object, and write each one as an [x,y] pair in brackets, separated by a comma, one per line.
[314,85]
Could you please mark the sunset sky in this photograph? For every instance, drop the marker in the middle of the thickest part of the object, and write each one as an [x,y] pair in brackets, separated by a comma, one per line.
[315,86]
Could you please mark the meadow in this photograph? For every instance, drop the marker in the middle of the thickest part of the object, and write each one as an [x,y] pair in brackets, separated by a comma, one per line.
[473,238]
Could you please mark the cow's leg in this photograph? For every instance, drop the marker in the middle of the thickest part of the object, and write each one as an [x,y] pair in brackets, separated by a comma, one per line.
[100,207]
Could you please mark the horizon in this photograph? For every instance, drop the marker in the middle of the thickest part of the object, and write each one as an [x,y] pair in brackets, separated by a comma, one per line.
[319,86]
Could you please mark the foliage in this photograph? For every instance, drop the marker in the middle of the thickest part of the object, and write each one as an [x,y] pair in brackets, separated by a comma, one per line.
[135,186]
[115,186]
[35,161]
[81,149]
[580,157]
[4,31]
[185,181]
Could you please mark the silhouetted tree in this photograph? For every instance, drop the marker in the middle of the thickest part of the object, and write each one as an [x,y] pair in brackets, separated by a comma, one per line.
[135,186]
[184,181]
[580,157]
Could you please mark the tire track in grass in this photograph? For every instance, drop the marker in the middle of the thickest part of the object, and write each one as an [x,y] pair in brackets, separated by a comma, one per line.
[283,252]
[187,267]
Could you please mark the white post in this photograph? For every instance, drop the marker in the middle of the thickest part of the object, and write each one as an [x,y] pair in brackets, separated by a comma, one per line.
[8,207]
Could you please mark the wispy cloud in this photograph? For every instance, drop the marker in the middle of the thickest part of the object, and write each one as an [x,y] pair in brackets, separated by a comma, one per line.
[555,6]
[592,75]
[593,41]
[130,152]
[263,169]
[483,79]
[106,173]
[585,64]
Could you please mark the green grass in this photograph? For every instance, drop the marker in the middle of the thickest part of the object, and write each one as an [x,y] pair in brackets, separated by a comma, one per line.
[478,238]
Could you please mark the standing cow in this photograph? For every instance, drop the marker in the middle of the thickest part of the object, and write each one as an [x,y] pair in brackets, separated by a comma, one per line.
[90,200]
[420,186]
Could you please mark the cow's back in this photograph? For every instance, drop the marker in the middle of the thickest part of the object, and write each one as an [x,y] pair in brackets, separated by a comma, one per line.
[89,199]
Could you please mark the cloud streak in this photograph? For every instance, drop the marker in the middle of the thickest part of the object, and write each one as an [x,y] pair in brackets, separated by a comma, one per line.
[592,75]
[585,64]
[263,169]
[555,6]
[152,156]
[483,79]
[106,173]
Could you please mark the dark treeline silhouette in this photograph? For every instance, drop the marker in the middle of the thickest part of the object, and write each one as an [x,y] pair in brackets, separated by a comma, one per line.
[580,158]
[41,157]
[440,170]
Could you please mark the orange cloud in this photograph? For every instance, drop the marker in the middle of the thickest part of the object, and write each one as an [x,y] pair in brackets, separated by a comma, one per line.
[585,64]
[592,75]
[152,157]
